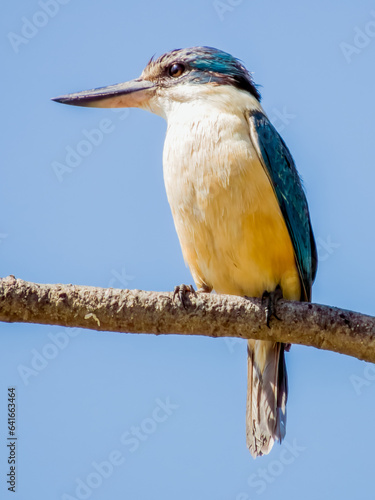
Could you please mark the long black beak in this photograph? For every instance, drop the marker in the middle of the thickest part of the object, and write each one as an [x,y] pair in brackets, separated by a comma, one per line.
[132,94]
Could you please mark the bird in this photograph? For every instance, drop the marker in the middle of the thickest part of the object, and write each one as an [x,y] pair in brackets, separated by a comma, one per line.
[237,200]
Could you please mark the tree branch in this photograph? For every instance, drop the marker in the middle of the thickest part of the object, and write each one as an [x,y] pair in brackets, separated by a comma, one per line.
[137,311]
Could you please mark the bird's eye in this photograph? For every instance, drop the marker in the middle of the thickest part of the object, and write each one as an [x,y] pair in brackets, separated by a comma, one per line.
[176,70]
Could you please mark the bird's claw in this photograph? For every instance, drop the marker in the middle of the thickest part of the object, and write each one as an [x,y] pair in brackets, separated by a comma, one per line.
[182,292]
[271,299]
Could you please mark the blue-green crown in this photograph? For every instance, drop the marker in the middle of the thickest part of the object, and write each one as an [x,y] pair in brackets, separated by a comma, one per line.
[208,65]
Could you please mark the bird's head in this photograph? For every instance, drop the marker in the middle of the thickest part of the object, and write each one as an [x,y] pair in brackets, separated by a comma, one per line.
[179,75]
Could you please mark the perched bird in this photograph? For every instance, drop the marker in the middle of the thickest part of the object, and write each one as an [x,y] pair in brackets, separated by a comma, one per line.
[237,201]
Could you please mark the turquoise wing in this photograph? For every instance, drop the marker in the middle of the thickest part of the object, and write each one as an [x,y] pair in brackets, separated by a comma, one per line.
[282,173]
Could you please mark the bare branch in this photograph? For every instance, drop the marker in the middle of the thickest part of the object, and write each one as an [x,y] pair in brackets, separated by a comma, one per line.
[137,311]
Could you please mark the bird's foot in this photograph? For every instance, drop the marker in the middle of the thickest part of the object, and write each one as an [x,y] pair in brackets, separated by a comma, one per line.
[182,291]
[271,299]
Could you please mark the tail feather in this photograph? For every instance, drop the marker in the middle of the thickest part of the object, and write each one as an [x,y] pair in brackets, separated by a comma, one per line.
[267,394]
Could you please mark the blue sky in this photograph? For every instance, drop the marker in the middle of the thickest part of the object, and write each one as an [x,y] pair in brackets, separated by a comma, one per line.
[103,415]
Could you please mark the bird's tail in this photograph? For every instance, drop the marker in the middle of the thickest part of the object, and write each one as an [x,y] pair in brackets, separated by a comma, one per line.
[267,392]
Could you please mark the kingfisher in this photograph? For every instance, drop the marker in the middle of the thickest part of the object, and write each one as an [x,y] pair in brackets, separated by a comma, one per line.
[237,201]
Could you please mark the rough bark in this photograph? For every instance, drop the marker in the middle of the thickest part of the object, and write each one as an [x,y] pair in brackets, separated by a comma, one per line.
[137,311]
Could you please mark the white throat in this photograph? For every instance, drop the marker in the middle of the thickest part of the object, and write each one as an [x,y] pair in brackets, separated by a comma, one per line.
[196,99]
